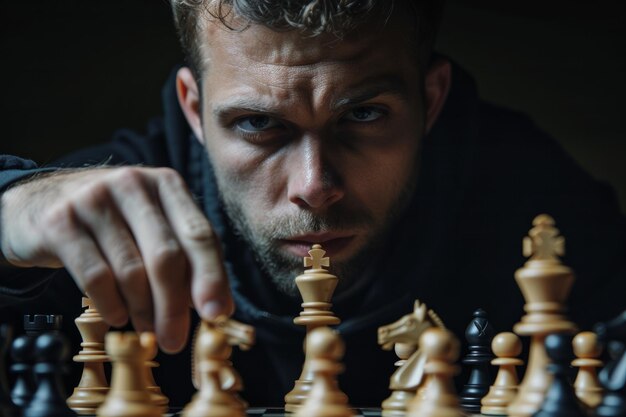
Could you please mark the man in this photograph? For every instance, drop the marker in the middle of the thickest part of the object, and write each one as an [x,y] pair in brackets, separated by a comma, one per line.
[311,122]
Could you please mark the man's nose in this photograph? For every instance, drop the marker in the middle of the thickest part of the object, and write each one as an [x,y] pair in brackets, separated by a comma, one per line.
[313,182]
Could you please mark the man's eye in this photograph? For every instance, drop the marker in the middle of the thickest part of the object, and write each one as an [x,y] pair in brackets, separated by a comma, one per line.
[363,114]
[256,123]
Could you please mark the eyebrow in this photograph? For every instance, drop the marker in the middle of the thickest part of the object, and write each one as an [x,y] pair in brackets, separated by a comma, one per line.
[366,90]
[244,104]
[369,89]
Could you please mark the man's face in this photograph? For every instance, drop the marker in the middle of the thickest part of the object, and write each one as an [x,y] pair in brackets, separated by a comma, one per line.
[312,140]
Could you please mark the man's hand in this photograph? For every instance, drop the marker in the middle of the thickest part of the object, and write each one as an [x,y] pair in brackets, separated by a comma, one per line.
[132,238]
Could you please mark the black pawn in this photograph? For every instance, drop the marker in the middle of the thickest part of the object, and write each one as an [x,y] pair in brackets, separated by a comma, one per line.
[479,334]
[22,354]
[561,400]
[51,352]
[7,408]
[613,375]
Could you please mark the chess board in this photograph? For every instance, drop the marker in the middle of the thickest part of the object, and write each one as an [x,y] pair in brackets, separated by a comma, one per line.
[279,412]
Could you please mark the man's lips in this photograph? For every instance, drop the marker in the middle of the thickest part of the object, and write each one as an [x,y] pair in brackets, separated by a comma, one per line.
[332,243]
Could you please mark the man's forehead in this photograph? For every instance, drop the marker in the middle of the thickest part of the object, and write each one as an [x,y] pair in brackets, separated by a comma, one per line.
[293,47]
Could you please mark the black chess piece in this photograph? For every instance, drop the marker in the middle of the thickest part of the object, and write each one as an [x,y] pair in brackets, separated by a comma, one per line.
[613,375]
[561,400]
[7,408]
[22,354]
[36,324]
[51,352]
[479,334]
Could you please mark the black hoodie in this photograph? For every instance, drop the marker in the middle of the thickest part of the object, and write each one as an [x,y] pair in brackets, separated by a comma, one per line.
[485,173]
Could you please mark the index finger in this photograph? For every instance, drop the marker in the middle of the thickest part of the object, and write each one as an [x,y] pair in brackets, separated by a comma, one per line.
[209,283]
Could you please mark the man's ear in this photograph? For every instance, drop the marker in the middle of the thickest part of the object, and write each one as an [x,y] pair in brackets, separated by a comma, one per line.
[189,100]
[437,85]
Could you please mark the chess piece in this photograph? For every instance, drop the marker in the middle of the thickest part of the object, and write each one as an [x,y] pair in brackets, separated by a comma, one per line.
[316,286]
[561,400]
[507,347]
[439,397]
[93,387]
[148,340]
[23,355]
[51,350]
[237,334]
[7,408]
[212,352]
[240,335]
[404,335]
[613,375]
[128,395]
[545,284]
[397,403]
[587,350]
[325,350]
[478,334]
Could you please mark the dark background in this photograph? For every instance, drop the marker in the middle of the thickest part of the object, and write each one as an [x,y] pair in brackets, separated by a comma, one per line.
[71,72]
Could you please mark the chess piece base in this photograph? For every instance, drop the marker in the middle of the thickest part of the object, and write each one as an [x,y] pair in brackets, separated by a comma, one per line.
[296,397]
[87,400]
[397,403]
[219,405]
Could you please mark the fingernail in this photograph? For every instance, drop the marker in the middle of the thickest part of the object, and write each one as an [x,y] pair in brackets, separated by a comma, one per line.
[212,309]
[172,344]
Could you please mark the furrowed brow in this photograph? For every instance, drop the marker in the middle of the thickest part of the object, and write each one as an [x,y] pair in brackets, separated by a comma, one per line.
[393,86]
[227,110]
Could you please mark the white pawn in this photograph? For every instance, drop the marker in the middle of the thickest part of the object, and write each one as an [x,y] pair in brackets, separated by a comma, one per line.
[507,347]
[128,395]
[325,350]
[148,339]
[587,385]
[438,397]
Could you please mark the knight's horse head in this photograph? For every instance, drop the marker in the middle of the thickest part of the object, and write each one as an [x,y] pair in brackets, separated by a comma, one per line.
[237,334]
[409,328]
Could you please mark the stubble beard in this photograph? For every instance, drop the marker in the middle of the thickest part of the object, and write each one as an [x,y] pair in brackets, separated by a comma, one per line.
[281,268]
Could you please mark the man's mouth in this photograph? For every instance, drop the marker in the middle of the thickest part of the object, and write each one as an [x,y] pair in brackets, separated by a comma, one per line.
[332,243]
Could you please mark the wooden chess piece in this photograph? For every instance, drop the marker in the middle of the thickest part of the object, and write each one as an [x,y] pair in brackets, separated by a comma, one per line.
[148,340]
[397,403]
[237,334]
[479,334]
[587,351]
[212,352]
[507,347]
[325,350]
[51,350]
[545,284]
[240,335]
[439,398]
[93,386]
[404,335]
[316,286]
[561,400]
[613,376]
[128,395]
